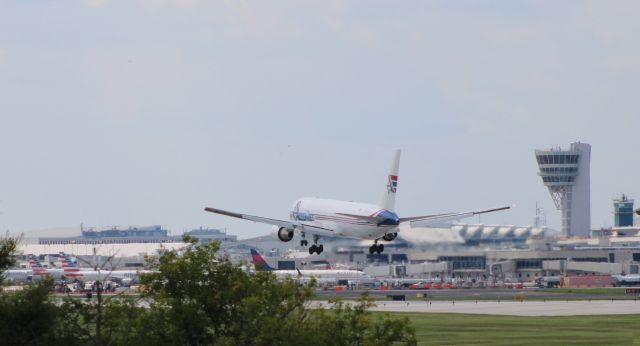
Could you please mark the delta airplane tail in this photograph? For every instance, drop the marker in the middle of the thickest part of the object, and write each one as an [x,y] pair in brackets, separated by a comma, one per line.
[388,200]
[259,262]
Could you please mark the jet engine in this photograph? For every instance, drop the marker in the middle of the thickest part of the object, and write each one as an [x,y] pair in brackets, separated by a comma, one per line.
[390,236]
[285,234]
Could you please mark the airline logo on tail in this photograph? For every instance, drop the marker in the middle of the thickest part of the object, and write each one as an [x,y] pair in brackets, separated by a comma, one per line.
[393,183]
[36,266]
[69,268]
[259,262]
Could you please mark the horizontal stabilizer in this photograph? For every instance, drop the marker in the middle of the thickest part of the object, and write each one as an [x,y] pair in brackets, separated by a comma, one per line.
[372,219]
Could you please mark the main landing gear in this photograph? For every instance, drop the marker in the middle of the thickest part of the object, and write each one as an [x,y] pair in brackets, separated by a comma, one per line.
[315,248]
[376,248]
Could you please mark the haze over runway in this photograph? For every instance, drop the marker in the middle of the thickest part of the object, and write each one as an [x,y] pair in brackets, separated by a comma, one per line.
[143,112]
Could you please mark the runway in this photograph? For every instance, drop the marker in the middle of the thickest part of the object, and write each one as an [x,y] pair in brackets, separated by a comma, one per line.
[502,294]
[534,308]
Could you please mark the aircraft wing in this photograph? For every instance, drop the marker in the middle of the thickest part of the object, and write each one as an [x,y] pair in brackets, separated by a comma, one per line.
[275,222]
[280,223]
[413,221]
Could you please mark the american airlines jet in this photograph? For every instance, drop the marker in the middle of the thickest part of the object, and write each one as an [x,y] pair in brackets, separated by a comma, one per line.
[71,270]
[335,218]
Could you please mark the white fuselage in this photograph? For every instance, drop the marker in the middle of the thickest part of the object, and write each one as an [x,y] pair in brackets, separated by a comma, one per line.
[92,275]
[326,213]
[17,275]
[328,275]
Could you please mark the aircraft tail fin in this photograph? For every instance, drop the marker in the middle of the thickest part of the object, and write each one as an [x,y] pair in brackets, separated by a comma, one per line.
[259,262]
[388,200]
[66,260]
[36,266]
[34,263]
[68,265]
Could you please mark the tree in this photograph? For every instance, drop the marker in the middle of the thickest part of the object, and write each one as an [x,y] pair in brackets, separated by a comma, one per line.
[8,247]
[198,298]
[353,324]
[78,322]
[27,316]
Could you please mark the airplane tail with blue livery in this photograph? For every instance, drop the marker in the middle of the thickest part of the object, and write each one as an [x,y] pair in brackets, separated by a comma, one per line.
[259,262]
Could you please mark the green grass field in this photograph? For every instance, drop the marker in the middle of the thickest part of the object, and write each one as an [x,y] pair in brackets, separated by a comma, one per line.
[461,329]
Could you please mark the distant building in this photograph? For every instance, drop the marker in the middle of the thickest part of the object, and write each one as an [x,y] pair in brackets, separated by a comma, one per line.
[566,174]
[149,231]
[132,235]
[208,235]
[623,210]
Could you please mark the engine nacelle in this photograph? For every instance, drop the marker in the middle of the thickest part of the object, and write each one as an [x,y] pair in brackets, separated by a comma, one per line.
[285,234]
[390,236]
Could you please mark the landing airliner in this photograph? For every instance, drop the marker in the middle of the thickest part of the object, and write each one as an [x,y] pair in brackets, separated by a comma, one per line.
[335,218]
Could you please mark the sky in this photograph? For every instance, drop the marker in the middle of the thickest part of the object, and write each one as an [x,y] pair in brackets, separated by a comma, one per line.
[144,112]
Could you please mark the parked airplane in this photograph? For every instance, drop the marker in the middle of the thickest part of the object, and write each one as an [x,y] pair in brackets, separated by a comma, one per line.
[335,218]
[71,270]
[39,270]
[333,275]
[17,275]
[35,272]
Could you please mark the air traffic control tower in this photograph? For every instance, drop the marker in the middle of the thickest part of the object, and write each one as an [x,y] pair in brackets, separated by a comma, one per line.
[566,174]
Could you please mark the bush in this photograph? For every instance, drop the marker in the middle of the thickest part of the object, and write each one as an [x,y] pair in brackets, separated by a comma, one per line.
[197,298]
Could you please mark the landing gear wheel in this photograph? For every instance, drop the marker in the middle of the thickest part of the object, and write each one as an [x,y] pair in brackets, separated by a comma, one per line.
[372,249]
[320,249]
[312,249]
[380,248]
[303,242]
